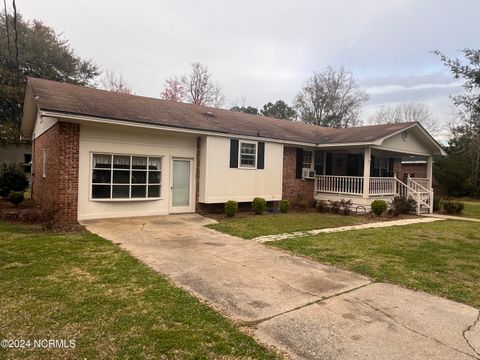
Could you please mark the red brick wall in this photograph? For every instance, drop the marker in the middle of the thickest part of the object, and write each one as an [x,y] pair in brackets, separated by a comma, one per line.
[420,170]
[292,187]
[57,192]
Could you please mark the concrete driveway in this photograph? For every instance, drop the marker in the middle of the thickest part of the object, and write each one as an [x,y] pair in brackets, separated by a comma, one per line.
[306,309]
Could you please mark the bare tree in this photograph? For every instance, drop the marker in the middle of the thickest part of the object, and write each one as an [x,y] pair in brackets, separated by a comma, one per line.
[331,98]
[112,82]
[173,91]
[199,86]
[218,98]
[407,112]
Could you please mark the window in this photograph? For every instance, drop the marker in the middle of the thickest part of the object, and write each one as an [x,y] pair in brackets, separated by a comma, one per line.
[307,159]
[27,163]
[126,176]
[319,162]
[248,154]
[380,166]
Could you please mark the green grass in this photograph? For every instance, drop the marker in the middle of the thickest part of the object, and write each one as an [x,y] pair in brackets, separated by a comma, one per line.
[250,227]
[82,287]
[472,209]
[441,258]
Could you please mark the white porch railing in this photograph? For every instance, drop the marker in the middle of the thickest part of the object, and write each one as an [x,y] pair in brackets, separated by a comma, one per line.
[349,185]
[382,186]
[378,186]
[423,182]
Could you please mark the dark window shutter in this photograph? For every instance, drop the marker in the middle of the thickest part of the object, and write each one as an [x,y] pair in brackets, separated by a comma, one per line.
[329,164]
[234,153]
[372,169]
[391,166]
[261,155]
[298,170]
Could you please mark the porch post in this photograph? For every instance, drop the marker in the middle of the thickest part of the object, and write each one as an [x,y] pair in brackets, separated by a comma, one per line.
[430,171]
[366,172]
[430,180]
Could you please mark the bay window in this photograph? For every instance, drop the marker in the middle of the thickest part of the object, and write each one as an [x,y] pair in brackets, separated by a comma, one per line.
[126,176]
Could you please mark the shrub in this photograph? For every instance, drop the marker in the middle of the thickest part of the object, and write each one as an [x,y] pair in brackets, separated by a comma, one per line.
[453,207]
[258,205]
[284,206]
[322,206]
[379,206]
[346,206]
[334,206]
[403,204]
[301,202]
[30,216]
[16,197]
[437,203]
[231,208]
[12,178]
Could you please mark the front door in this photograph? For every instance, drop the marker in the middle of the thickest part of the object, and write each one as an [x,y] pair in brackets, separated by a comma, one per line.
[181,186]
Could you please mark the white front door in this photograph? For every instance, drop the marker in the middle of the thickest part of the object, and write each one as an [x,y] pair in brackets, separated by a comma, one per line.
[181,189]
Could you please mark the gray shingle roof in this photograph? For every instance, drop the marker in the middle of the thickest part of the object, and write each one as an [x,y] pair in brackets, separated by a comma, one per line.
[78,100]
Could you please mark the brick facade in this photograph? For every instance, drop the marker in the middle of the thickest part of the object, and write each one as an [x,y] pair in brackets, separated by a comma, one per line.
[402,170]
[57,191]
[294,189]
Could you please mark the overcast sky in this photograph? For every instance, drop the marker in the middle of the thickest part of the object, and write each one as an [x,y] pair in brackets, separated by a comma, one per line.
[261,51]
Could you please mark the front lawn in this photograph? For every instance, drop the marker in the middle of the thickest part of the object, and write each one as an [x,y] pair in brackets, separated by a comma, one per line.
[472,209]
[252,226]
[442,258]
[81,287]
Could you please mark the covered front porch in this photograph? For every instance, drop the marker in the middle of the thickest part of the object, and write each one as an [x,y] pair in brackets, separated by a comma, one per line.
[366,174]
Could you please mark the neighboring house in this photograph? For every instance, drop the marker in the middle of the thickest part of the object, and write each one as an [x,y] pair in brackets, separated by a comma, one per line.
[102,154]
[19,154]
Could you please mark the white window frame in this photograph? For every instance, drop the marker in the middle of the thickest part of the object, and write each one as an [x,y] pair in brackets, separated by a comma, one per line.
[312,160]
[254,167]
[111,184]
[379,161]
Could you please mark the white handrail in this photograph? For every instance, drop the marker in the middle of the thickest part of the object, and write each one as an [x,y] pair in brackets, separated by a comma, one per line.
[349,185]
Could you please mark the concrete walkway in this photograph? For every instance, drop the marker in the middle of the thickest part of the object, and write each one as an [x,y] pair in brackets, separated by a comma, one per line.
[308,310]
[380,224]
[450,217]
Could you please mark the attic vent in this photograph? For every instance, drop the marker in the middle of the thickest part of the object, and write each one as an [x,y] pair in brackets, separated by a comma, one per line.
[209,114]
[405,135]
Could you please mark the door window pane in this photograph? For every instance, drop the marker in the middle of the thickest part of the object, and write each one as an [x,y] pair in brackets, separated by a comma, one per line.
[181,183]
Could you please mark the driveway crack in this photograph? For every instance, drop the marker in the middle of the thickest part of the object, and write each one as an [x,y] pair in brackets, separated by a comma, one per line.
[259,321]
[477,320]
[419,333]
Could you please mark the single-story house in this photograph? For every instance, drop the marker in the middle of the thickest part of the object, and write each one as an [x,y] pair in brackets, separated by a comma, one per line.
[100,154]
